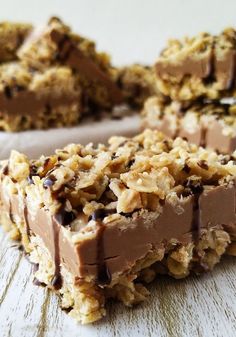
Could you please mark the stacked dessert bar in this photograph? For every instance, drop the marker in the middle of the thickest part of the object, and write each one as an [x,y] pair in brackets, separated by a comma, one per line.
[196,79]
[100,222]
[51,77]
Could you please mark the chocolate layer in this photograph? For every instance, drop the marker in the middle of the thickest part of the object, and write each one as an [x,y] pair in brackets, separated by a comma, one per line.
[71,55]
[119,244]
[225,69]
[200,67]
[30,103]
[217,206]
[216,139]
[210,135]
[216,67]
[179,221]
[196,137]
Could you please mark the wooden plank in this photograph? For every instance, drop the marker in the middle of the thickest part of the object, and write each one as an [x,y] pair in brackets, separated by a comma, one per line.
[197,306]
[10,259]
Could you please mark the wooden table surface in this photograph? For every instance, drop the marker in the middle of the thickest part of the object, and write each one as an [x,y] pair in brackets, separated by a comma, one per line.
[196,306]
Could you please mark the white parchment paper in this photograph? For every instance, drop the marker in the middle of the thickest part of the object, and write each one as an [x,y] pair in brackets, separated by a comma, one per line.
[37,142]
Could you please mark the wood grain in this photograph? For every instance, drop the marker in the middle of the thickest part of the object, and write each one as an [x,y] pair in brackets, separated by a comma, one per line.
[198,306]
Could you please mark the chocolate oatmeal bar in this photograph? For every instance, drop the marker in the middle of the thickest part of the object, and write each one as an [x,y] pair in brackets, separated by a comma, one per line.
[101,222]
[62,60]
[37,99]
[211,124]
[202,66]
[195,78]
[56,44]
[12,36]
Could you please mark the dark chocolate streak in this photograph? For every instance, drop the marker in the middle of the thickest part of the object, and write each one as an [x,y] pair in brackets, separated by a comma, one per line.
[5,170]
[196,219]
[65,48]
[62,218]
[8,92]
[10,211]
[199,265]
[26,220]
[57,278]
[203,136]
[103,272]
[195,188]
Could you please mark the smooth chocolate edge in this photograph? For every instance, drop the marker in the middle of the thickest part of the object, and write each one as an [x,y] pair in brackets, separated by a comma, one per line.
[225,69]
[189,66]
[210,136]
[101,256]
[31,103]
[70,55]
[221,70]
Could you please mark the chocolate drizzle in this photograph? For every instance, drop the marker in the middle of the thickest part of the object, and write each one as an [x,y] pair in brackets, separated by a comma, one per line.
[8,92]
[57,278]
[195,188]
[203,164]
[5,171]
[103,272]
[196,219]
[186,168]
[10,211]
[65,48]
[26,220]
[203,136]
